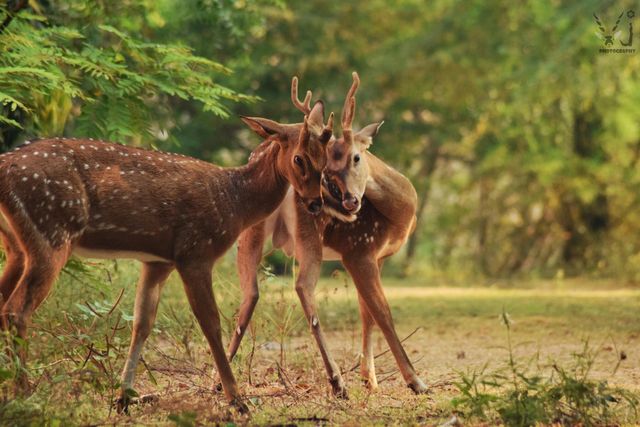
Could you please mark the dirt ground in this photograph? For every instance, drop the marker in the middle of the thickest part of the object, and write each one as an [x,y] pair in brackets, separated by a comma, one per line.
[290,386]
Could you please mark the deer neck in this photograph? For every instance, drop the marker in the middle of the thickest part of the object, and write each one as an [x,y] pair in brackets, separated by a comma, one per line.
[260,185]
[390,192]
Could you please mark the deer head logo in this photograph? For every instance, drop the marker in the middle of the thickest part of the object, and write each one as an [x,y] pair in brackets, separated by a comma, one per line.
[608,37]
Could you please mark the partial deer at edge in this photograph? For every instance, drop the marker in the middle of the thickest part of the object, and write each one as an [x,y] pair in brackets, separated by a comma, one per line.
[359,231]
[102,200]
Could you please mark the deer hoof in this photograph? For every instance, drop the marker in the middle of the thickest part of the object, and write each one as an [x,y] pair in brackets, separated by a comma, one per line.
[122,405]
[370,383]
[341,393]
[418,386]
[240,406]
[217,387]
[339,389]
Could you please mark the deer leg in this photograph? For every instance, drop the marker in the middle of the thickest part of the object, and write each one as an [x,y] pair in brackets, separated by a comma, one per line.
[42,267]
[367,363]
[305,286]
[367,366]
[366,276]
[250,247]
[148,290]
[14,266]
[197,285]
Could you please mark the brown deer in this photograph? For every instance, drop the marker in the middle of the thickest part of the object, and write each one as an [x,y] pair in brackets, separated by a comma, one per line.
[102,200]
[361,232]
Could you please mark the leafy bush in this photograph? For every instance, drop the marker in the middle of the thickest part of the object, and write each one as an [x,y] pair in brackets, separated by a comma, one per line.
[56,71]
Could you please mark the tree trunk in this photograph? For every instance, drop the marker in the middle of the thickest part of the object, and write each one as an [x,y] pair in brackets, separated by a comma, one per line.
[430,155]
[585,221]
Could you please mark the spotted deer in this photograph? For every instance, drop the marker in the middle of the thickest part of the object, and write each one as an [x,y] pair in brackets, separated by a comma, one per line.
[97,199]
[369,212]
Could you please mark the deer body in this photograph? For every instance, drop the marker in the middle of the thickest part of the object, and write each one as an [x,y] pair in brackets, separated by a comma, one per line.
[361,245]
[113,201]
[281,227]
[361,236]
[98,199]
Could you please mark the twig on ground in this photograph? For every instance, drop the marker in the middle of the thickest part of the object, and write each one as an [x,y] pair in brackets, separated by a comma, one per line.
[357,365]
[395,371]
[286,382]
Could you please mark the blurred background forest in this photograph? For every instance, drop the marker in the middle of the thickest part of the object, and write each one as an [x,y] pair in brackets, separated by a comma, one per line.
[522,140]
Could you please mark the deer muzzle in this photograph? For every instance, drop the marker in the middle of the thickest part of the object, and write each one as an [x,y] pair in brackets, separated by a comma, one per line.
[350,203]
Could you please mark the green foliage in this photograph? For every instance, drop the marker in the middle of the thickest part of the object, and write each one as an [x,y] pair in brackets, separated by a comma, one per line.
[10,367]
[183,419]
[523,394]
[521,138]
[60,75]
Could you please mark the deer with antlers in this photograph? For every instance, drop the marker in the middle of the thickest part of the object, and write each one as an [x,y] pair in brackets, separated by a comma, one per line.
[60,197]
[369,212]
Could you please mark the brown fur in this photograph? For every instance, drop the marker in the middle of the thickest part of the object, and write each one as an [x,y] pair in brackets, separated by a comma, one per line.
[59,196]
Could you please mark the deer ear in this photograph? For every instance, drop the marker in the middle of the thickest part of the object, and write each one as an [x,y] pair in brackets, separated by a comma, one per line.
[316,118]
[263,127]
[366,134]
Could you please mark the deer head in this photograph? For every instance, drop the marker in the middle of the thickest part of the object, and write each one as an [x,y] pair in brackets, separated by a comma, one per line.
[345,175]
[303,146]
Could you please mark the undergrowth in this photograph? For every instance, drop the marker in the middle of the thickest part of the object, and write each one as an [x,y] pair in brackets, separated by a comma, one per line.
[79,339]
[528,392]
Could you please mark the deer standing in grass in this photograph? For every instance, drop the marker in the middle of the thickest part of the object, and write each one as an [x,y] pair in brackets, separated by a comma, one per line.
[60,197]
[359,231]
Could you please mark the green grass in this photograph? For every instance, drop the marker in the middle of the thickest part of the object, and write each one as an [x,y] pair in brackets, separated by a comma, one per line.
[77,348]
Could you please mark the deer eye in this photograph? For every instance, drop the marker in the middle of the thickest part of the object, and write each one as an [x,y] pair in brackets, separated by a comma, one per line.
[356,158]
[298,161]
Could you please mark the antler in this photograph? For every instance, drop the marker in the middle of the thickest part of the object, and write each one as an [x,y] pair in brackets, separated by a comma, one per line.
[303,138]
[304,106]
[349,109]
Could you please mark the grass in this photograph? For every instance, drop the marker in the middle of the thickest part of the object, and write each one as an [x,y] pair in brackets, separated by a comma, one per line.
[78,343]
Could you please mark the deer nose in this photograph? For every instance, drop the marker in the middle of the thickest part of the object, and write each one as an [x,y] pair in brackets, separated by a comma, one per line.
[350,203]
[315,206]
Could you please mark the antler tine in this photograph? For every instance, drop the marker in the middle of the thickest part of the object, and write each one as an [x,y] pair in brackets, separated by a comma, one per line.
[348,111]
[347,116]
[304,106]
[303,138]
[327,132]
[329,124]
